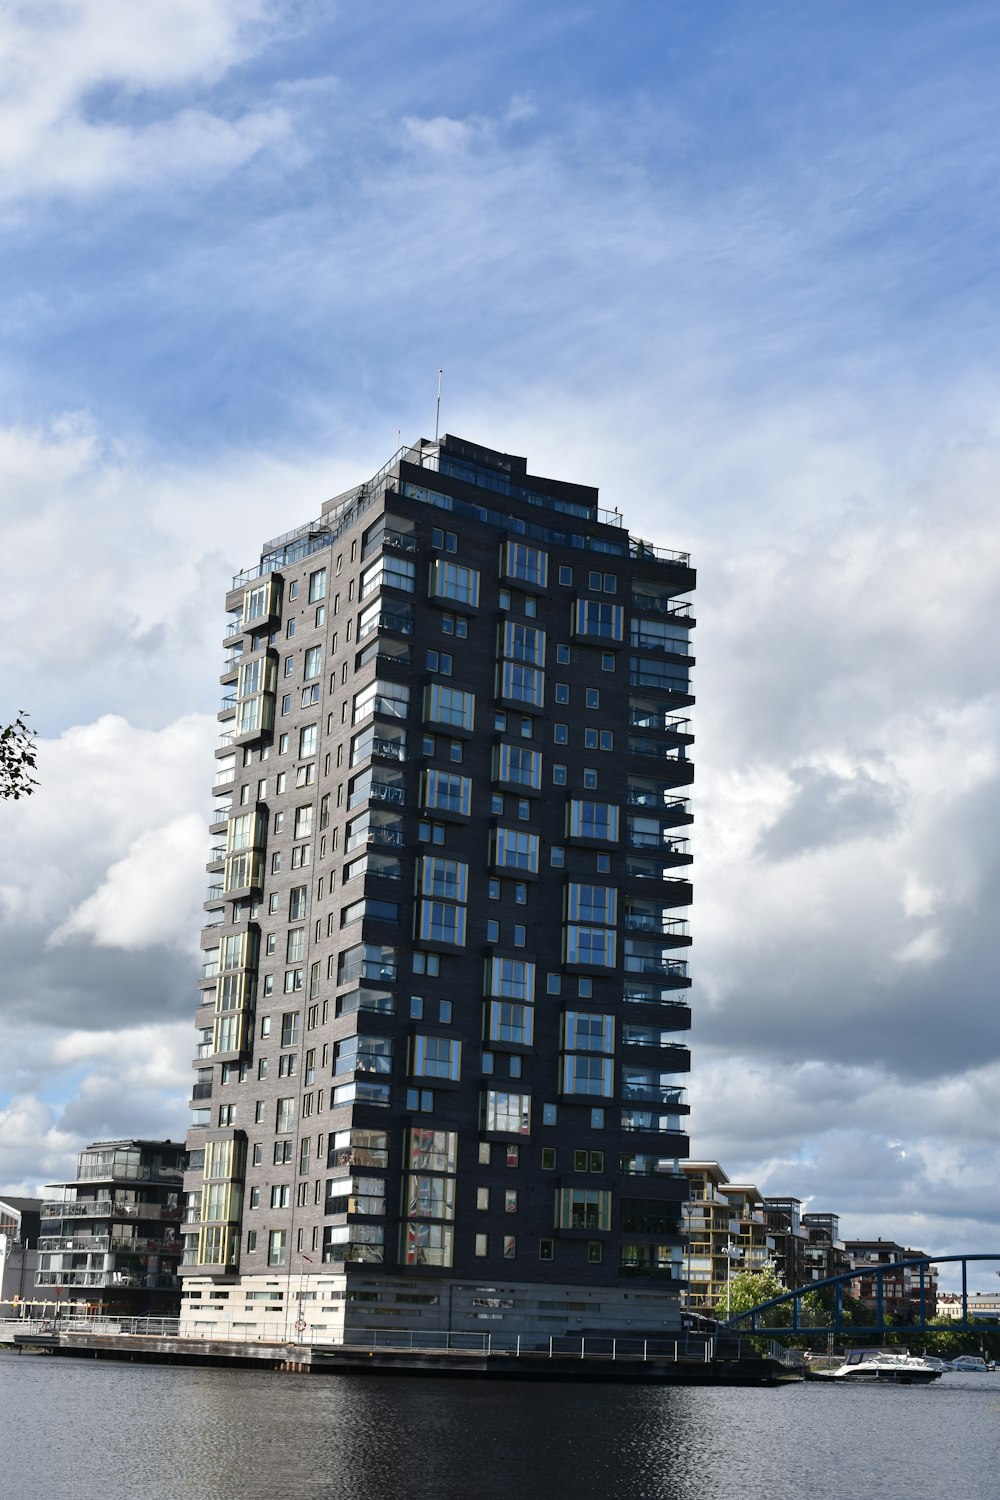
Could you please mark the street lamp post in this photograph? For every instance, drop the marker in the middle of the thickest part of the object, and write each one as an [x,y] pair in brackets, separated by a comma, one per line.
[732,1252]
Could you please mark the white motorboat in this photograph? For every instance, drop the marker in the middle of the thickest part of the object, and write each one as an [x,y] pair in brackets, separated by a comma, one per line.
[891,1366]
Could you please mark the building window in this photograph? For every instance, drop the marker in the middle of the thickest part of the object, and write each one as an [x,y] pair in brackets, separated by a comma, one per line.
[526,564]
[518,765]
[482,1244]
[390,571]
[521,684]
[446,705]
[277,1247]
[446,791]
[592,820]
[586,1074]
[593,946]
[284,1115]
[440,922]
[545,1247]
[307,741]
[595,618]
[511,978]
[507,1113]
[514,849]
[523,643]
[447,878]
[588,1031]
[317,586]
[510,1022]
[583,1208]
[449,580]
[436,1057]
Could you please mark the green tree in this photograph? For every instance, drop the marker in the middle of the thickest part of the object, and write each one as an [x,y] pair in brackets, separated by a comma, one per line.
[17,759]
[748,1289]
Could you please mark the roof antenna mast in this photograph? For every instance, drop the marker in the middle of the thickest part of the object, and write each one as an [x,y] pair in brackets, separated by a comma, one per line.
[437,417]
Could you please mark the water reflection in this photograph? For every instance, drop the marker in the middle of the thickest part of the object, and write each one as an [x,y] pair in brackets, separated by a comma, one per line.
[95,1431]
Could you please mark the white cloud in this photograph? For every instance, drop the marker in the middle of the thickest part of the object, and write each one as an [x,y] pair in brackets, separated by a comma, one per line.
[148,896]
[64,63]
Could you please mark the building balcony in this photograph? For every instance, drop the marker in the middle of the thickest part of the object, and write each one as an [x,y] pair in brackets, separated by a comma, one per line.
[655,719]
[674,930]
[662,605]
[669,1009]
[391,793]
[108,1208]
[670,850]
[387,835]
[639,1165]
[653,1093]
[396,621]
[388,536]
[670,761]
[677,648]
[660,968]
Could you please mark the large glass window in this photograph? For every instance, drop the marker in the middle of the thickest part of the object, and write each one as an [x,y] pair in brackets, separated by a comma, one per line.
[525,563]
[390,571]
[431,1150]
[595,946]
[426,1244]
[509,1113]
[518,765]
[509,1022]
[592,903]
[511,978]
[583,1208]
[514,849]
[436,1057]
[440,922]
[313,664]
[447,878]
[447,705]
[307,740]
[363,1054]
[588,1031]
[586,1074]
[447,791]
[594,618]
[521,684]
[522,643]
[392,699]
[592,820]
[430,1197]
[449,580]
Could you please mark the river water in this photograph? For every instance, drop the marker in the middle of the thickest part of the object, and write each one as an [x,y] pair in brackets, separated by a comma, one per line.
[78,1430]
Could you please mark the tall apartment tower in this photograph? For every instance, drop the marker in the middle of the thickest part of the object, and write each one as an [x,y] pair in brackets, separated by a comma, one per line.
[443,1013]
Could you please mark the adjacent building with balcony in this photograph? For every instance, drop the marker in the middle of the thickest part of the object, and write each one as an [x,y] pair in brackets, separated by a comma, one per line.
[825,1255]
[20,1221]
[110,1240]
[441,1036]
[901,1288]
[727,1232]
[783,1217]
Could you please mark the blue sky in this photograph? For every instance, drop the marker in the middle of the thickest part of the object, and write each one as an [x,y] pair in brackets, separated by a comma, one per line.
[734,264]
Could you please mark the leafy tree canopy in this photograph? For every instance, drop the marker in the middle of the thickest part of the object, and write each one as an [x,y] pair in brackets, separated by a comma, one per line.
[17,759]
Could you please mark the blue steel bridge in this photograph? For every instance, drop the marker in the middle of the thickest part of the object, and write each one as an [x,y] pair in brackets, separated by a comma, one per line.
[761,1319]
